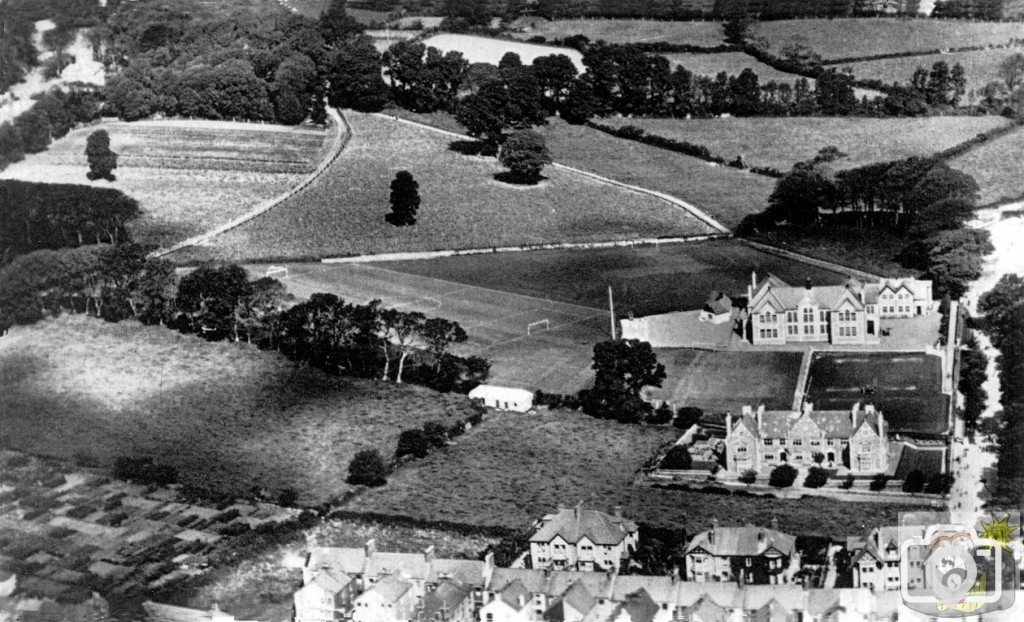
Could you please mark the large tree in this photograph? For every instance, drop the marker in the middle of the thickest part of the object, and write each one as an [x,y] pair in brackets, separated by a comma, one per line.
[354,78]
[368,468]
[799,197]
[514,102]
[525,154]
[623,368]
[102,161]
[208,297]
[405,200]
[336,24]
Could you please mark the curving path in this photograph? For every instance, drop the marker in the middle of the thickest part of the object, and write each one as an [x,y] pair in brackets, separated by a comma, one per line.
[341,138]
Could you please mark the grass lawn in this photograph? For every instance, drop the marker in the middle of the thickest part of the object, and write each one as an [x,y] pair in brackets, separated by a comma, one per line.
[188,177]
[514,468]
[998,168]
[869,250]
[863,36]
[725,193]
[646,280]
[707,34]
[727,381]
[782,142]
[905,386]
[982,67]
[227,416]
[490,50]
[463,204]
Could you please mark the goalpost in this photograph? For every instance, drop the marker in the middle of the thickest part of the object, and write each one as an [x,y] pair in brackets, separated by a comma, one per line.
[274,271]
[537,326]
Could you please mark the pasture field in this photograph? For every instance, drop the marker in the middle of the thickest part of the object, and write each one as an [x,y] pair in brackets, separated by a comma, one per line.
[727,194]
[905,386]
[646,280]
[727,381]
[463,205]
[227,416]
[732,63]
[866,36]
[515,467]
[490,50]
[782,142]
[188,176]
[705,34]
[997,167]
[982,67]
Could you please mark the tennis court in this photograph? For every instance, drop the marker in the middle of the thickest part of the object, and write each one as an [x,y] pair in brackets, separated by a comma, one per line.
[532,343]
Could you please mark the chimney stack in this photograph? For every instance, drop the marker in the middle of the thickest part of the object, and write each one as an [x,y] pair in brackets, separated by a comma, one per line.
[775,523]
[760,419]
[428,554]
[488,568]
[807,284]
[579,511]
[370,548]
[618,512]
[747,410]
[728,424]
[714,531]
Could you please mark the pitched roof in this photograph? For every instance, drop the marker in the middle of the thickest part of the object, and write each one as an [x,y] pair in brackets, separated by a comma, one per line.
[660,588]
[408,565]
[641,607]
[445,599]
[390,589]
[351,561]
[742,541]
[515,595]
[534,580]
[574,524]
[578,597]
[468,571]
[834,423]
[331,581]
[718,303]
[707,610]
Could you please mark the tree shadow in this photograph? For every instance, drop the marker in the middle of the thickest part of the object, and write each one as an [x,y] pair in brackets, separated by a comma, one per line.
[507,177]
[468,147]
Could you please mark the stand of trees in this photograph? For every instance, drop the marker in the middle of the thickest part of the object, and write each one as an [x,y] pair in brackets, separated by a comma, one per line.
[623,368]
[52,116]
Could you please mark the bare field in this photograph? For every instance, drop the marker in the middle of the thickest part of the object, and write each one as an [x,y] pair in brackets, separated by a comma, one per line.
[782,142]
[188,177]
[463,205]
[227,416]
[490,50]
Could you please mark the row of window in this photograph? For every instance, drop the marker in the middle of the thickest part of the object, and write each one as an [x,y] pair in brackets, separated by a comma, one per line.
[769,333]
[797,442]
[897,309]
[847,331]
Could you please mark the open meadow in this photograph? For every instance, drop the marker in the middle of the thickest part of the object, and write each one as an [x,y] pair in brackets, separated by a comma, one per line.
[782,142]
[188,176]
[463,204]
[705,34]
[982,67]
[727,194]
[998,167]
[490,50]
[866,36]
[516,467]
[732,63]
[227,416]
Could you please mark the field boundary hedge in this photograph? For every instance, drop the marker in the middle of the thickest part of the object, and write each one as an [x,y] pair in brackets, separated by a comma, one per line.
[1013,43]
[982,138]
[820,263]
[338,144]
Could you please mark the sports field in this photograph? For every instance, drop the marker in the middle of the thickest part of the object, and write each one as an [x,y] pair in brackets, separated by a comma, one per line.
[905,386]
[727,381]
[782,142]
[532,342]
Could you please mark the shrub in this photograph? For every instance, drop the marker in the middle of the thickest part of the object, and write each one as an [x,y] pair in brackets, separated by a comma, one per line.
[662,414]
[879,482]
[687,416]
[914,482]
[749,476]
[367,468]
[848,482]
[435,433]
[782,476]
[288,497]
[818,457]
[412,442]
[677,458]
[816,478]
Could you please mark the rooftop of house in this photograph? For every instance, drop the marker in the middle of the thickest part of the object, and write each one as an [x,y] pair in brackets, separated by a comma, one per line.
[330,580]
[577,598]
[640,606]
[746,541]
[575,524]
[447,598]
[467,571]
[390,589]
[833,423]
[775,293]
[718,303]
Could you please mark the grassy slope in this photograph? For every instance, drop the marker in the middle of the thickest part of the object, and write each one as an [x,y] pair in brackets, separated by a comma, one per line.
[845,38]
[186,180]
[646,280]
[463,205]
[227,416]
[998,168]
[871,251]
[514,468]
[982,67]
[727,194]
[706,34]
[732,63]
[782,142]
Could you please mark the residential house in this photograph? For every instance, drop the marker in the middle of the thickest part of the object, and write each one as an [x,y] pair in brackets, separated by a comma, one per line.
[717,309]
[747,555]
[875,560]
[326,596]
[582,539]
[450,601]
[503,398]
[390,599]
[778,313]
[856,439]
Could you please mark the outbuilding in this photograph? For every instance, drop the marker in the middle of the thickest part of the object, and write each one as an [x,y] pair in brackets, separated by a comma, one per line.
[503,398]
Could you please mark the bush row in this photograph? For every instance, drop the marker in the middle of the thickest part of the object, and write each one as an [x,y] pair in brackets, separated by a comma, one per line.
[966,48]
[982,138]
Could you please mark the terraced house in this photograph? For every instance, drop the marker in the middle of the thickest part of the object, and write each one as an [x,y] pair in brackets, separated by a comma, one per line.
[747,555]
[856,439]
[581,539]
[850,313]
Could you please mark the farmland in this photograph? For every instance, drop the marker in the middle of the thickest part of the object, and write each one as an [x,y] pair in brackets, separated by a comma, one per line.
[227,416]
[463,205]
[725,193]
[732,63]
[646,280]
[852,37]
[513,468]
[782,142]
[487,50]
[982,67]
[997,167]
[189,176]
[705,34]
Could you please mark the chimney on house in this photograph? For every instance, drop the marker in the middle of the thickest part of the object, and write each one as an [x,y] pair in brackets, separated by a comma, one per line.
[728,424]
[853,413]
[488,568]
[676,576]
[370,547]
[775,523]
[617,512]
[807,283]
[752,286]
[578,511]
[428,554]
[760,419]
[522,600]
[808,407]
[748,411]
[714,531]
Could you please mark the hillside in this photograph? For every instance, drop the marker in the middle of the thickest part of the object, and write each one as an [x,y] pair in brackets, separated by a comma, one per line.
[228,416]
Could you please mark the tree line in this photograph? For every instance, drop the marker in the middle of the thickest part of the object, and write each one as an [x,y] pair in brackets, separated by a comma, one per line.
[215,302]
[921,201]
[52,116]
